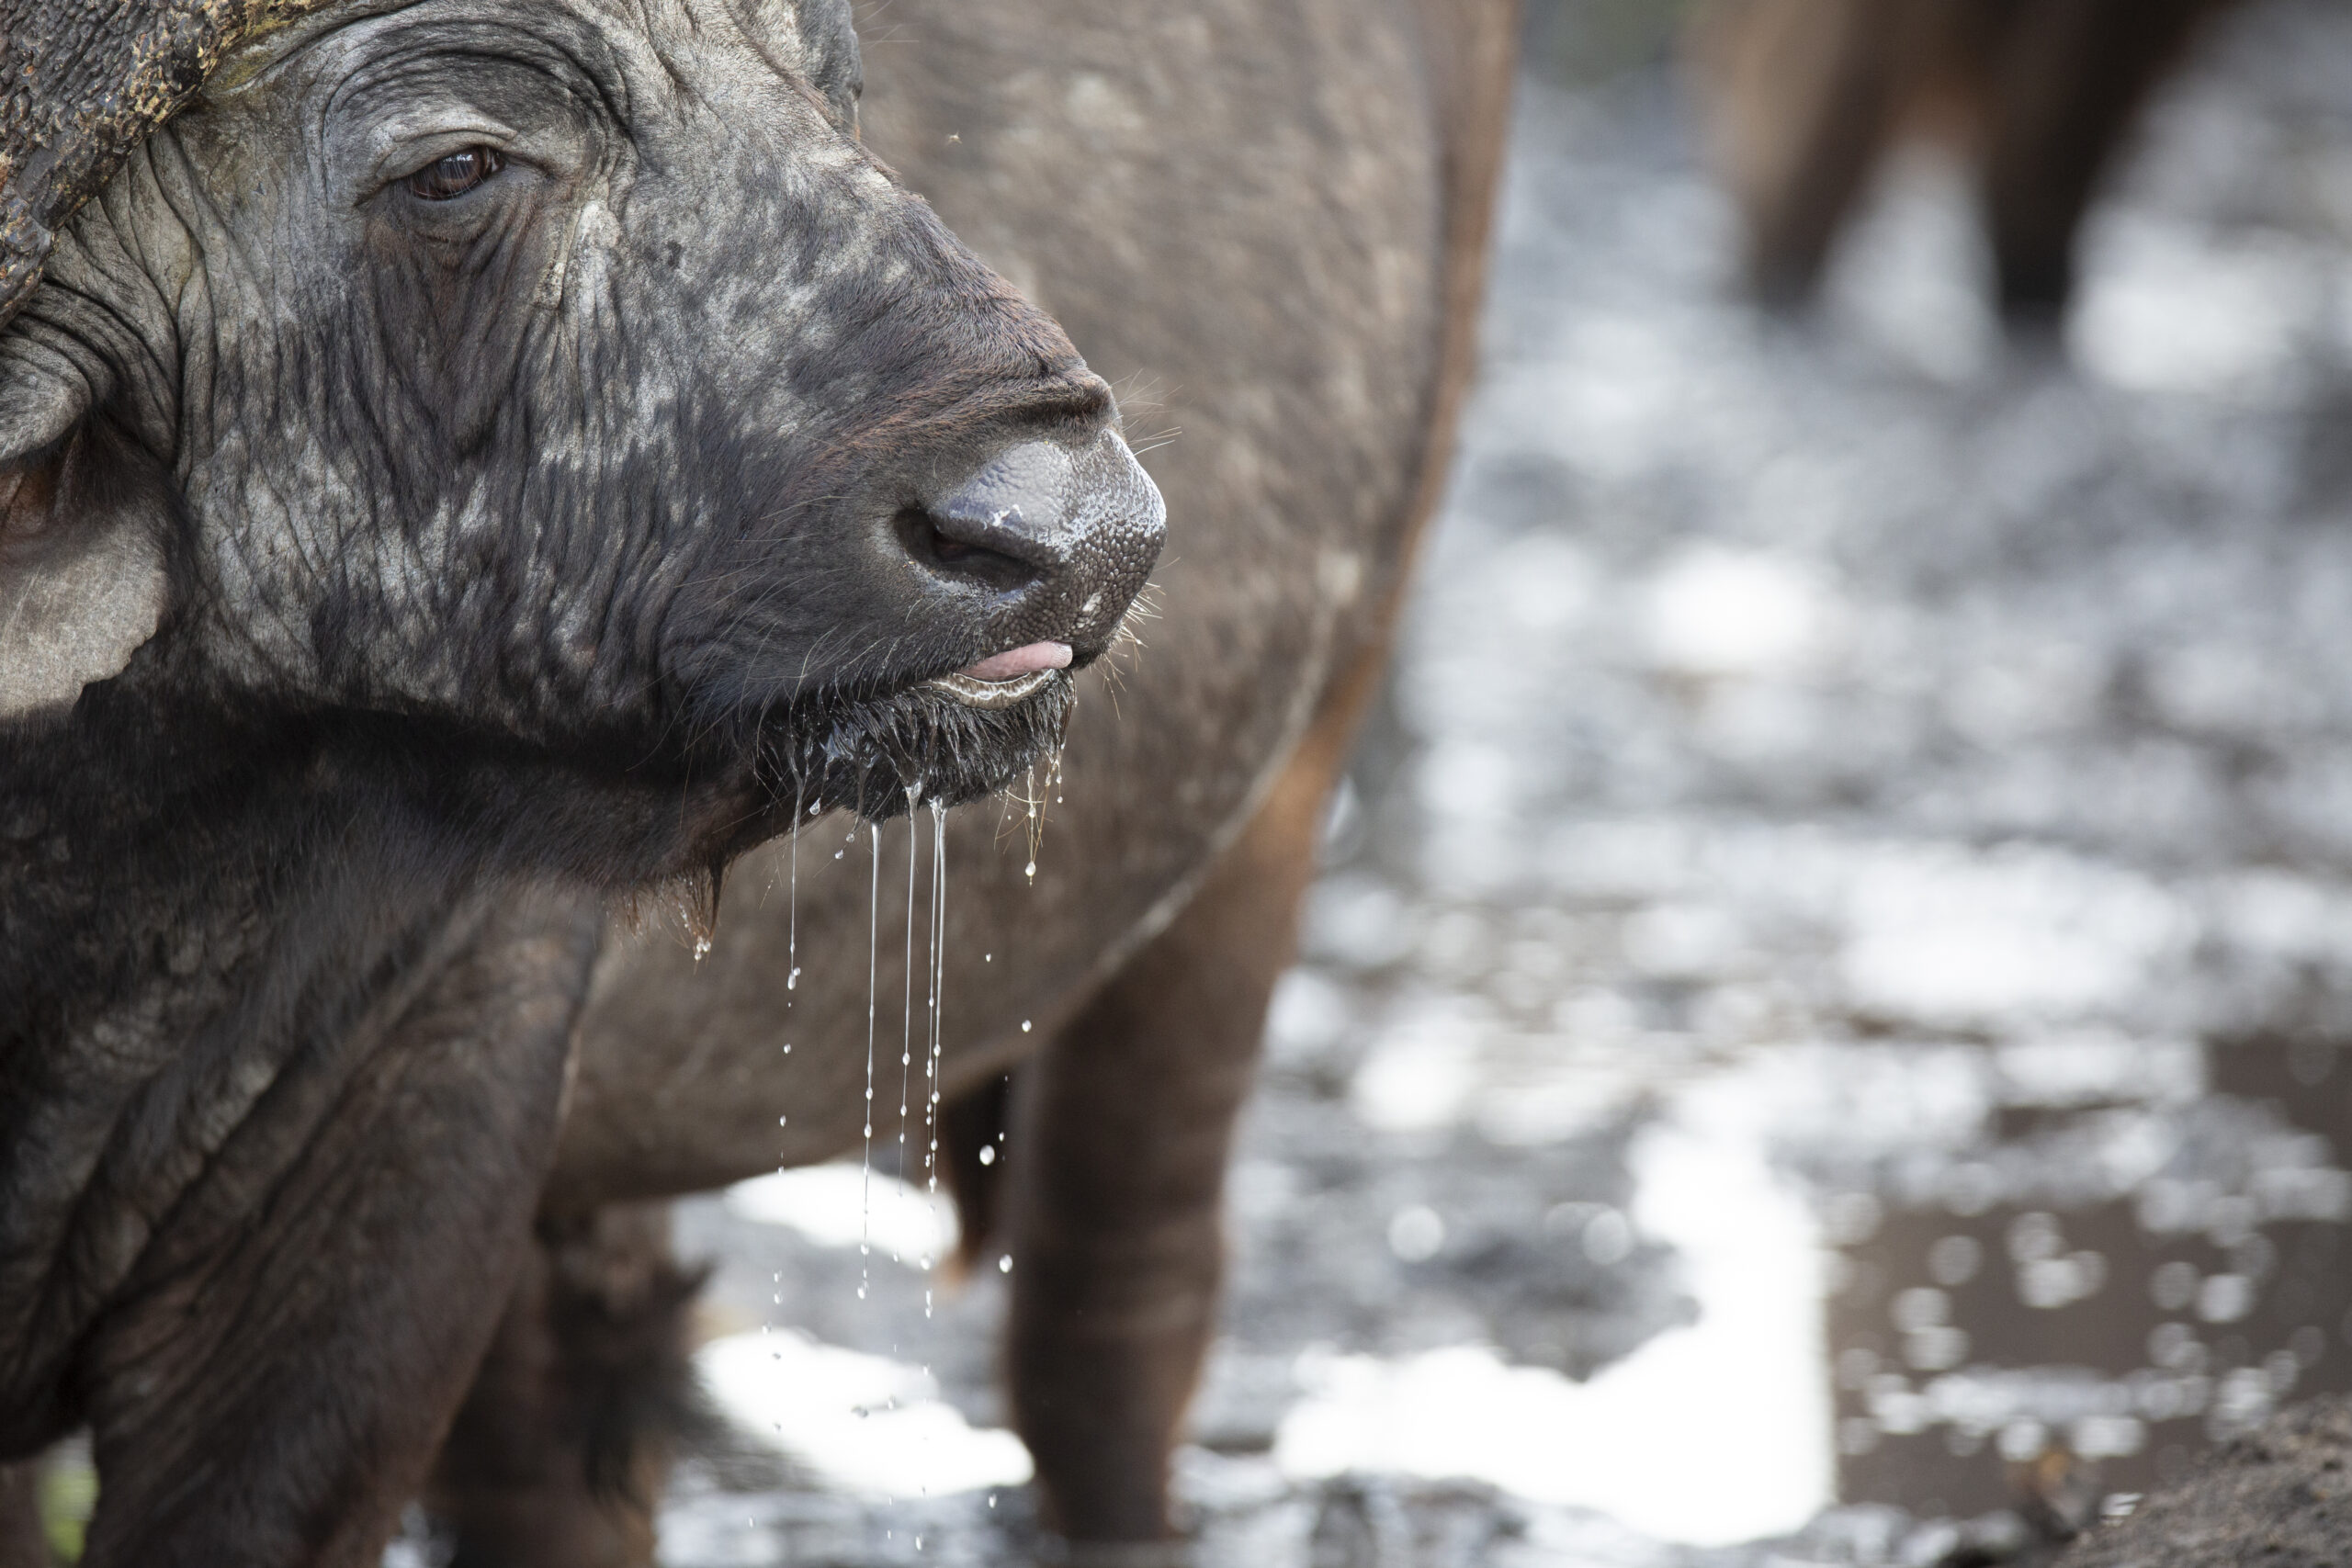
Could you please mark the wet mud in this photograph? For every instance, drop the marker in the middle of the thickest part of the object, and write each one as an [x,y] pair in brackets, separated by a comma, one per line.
[2280,1495]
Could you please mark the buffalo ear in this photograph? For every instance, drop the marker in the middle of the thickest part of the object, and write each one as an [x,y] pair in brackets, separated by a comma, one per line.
[82,573]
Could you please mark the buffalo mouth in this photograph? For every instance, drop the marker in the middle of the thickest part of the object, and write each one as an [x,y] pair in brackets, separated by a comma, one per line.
[1002,680]
[993,696]
[943,741]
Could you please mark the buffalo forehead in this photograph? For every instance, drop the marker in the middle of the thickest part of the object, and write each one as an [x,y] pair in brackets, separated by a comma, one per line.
[624,44]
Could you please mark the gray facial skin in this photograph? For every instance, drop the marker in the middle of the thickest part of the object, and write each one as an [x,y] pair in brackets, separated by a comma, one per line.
[476,459]
[622,440]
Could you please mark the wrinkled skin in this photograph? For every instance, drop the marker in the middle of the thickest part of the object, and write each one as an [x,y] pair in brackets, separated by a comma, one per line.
[1266,223]
[390,573]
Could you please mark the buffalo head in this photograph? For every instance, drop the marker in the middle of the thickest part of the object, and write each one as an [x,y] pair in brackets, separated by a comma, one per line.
[560,379]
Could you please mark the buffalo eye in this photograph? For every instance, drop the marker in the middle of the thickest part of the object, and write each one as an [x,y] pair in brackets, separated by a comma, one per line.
[454,174]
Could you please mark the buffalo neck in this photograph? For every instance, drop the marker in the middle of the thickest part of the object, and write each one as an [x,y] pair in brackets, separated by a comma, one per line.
[208,925]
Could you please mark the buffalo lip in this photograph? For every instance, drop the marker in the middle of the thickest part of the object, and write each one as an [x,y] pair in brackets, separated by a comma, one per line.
[992,695]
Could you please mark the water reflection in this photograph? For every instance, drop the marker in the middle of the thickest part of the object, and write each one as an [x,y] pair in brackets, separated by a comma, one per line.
[2120,1274]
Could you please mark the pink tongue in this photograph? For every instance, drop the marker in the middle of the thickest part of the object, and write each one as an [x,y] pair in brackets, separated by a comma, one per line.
[1019,661]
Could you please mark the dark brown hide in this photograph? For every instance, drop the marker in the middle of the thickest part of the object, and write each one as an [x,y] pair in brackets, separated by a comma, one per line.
[1266,224]
[1803,98]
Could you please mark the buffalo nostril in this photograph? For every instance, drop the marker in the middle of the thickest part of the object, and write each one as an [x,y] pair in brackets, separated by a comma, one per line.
[1020,505]
[923,537]
[1064,534]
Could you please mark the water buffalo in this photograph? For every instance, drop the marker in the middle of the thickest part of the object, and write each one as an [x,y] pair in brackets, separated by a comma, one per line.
[1267,220]
[1805,97]
[461,461]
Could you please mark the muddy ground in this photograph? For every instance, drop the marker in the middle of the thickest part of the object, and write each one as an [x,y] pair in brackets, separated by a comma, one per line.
[1827,1001]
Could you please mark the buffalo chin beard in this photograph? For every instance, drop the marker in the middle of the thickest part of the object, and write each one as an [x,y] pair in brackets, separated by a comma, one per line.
[880,756]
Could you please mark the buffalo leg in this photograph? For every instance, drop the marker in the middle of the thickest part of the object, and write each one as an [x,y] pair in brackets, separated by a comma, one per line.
[2072,80]
[1121,1133]
[276,1402]
[971,1135]
[1802,99]
[561,1451]
[23,1542]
